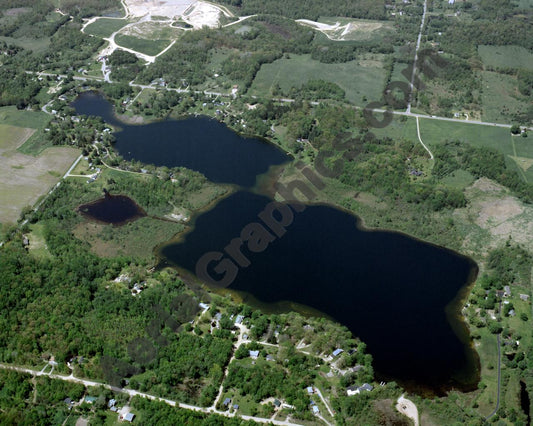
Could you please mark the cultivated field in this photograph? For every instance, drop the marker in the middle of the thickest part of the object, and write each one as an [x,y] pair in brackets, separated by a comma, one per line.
[358,78]
[24,178]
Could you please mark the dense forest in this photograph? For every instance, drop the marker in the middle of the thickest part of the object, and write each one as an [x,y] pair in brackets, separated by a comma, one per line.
[312,9]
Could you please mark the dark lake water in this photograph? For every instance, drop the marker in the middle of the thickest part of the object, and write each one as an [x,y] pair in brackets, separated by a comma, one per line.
[392,291]
[389,289]
[114,209]
[198,143]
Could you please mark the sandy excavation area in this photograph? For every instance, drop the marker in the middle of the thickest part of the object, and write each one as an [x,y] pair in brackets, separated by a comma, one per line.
[170,8]
[196,13]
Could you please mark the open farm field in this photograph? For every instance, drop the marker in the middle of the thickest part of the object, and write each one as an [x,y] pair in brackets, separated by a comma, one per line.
[104,27]
[359,78]
[24,178]
[506,56]
[500,97]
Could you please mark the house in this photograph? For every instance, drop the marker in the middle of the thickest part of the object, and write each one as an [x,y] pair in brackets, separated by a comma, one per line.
[114,409]
[239,319]
[253,354]
[524,297]
[507,291]
[310,390]
[227,402]
[354,390]
[336,352]
[277,403]
[315,409]
[235,406]
[366,387]
[129,417]
[111,403]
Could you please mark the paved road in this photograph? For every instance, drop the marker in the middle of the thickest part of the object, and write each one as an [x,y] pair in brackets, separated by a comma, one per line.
[287,100]
[131,392]
[412,82]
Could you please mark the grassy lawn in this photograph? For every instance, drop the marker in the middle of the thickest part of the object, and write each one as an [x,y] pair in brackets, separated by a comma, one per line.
[506,56]
[359,78]
[500,97]
[104,27]
[148,47]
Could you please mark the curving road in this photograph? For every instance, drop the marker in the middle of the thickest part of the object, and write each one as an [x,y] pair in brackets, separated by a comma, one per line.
[131,392]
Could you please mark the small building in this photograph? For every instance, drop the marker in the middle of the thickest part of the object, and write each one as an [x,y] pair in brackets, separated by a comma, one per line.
[90,399]
[269,357]
[254,354]
[129,417]
[524,297]
[235,407]
[310,390]
[315,409]
[506,291]
[111,403]
[277,403]
[68,401]
[227,402]
[356,368]
[239,319]
[512,313]
[114,409]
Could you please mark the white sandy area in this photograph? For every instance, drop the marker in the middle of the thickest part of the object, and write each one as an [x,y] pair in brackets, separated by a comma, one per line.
[408,408]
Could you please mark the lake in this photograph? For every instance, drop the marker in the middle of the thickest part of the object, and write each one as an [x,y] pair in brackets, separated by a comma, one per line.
[387,288]
[198,143]
[398,294]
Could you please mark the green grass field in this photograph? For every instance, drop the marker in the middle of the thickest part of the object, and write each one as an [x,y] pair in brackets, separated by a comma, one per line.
[500,97]
[358,78]
[37,45]
[148,47]
[506,56]
[104,27]
[517,150]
